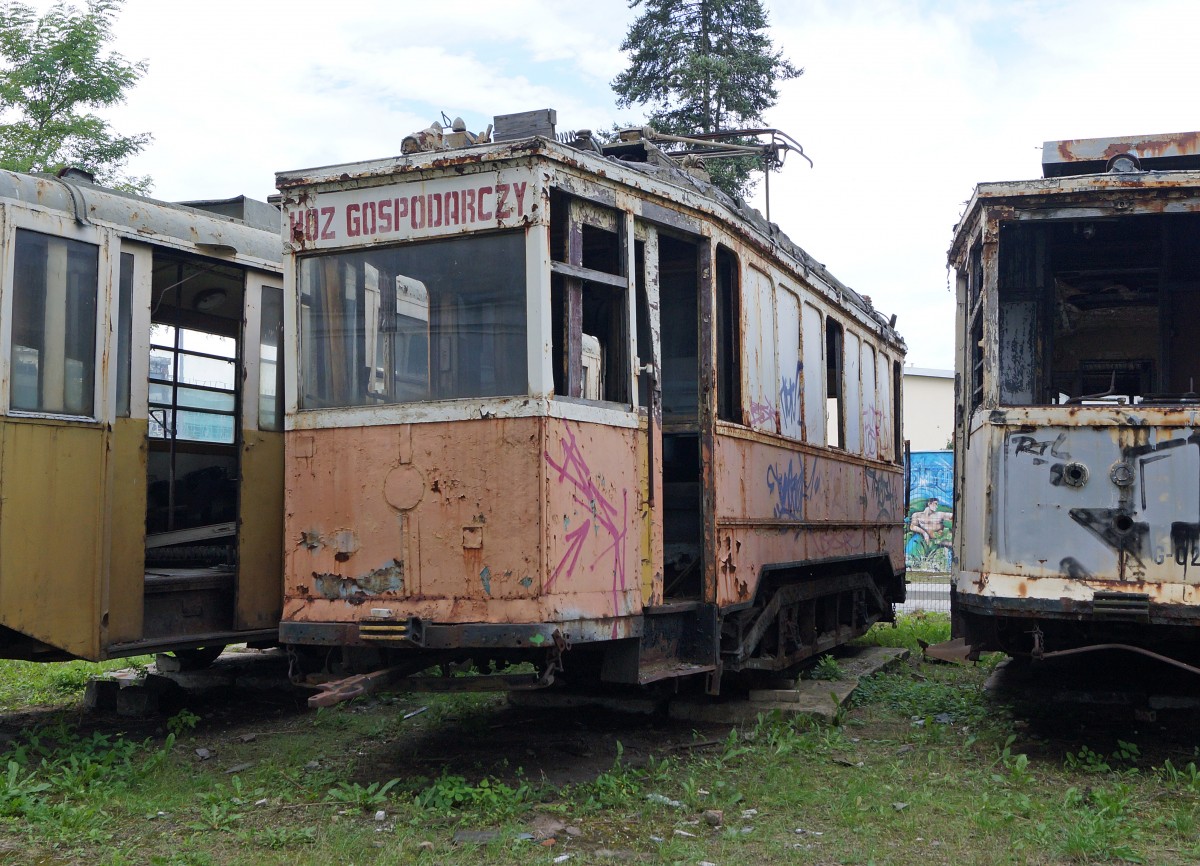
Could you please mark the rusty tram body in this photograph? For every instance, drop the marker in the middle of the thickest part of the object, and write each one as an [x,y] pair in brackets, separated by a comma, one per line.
[1077,443]
[141,440]
[560,404]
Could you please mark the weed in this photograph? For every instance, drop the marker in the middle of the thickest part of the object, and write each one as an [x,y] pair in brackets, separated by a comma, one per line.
[277,838]
[183,721]
[1188,777]
[353,794]
[1088,761]
[827,668]
[20,795]
[490,798]
[615,788]
[909,630]
[1017,764]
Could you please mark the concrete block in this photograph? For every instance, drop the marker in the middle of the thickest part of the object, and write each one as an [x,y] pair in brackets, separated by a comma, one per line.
[101,694]
[137,702]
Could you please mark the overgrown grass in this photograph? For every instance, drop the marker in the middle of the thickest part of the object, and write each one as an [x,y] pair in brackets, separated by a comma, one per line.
[908,629]
[925,767]
[24,684]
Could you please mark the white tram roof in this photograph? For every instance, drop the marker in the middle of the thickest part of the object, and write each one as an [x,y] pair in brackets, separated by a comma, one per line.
[239,228]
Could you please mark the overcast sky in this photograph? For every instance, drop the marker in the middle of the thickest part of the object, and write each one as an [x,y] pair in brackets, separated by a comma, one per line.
[904,104]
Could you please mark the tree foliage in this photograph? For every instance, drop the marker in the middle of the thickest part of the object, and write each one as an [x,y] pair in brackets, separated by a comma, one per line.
[55,73]
[703,66]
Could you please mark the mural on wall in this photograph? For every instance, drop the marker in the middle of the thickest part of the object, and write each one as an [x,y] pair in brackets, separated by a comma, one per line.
[928,528]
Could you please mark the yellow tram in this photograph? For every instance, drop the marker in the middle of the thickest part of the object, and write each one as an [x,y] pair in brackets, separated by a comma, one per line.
[141,450]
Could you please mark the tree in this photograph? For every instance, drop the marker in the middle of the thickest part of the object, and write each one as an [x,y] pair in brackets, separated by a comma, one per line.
[703,66]
[55,73]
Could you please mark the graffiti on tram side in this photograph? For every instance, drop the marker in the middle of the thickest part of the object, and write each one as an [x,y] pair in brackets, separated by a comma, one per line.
[789,399]
[929,526]
[605,521]
[791,487]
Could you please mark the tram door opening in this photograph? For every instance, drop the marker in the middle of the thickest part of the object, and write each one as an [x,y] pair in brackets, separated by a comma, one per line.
[193,470]
[683,526]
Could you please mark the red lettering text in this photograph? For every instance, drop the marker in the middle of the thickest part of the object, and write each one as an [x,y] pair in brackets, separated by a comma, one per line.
[417,220]
[519,189]
[484,193]
[502,210]
[468,205]
[327,234]
[385,216]
[435,210]
[353,221]
[369,218]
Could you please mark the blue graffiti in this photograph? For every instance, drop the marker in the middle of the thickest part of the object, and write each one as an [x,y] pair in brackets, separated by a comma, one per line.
[789,398]
[792,488]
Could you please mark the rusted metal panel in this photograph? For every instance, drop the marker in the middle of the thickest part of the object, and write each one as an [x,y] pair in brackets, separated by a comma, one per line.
[1092,155]
[592,524]
[779,504]
[458,532]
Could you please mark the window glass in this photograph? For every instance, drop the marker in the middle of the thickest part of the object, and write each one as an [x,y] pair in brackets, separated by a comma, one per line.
[270,371]
[812,380]
[853,394]
[426,321]
[872,421]
[193,388]
[787,342]
[124,333]
[54,325]
[760,351]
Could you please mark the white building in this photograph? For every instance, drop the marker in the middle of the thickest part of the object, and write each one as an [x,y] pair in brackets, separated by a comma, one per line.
[928,409]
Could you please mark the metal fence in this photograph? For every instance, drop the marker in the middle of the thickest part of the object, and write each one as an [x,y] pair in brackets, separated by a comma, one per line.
[927,592]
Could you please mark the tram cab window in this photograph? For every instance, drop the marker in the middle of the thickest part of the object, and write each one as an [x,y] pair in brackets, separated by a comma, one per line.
[1092,310]
[432,320]
[589,302]
[53,353]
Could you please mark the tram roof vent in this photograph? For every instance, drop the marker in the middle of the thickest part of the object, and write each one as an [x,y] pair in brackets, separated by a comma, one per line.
[255,213]
[1173,151]
[510,127]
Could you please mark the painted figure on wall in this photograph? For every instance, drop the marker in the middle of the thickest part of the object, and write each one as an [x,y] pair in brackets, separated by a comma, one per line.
[928,529]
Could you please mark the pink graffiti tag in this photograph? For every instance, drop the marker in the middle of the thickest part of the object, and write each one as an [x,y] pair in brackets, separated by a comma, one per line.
[574,471]
[762,413]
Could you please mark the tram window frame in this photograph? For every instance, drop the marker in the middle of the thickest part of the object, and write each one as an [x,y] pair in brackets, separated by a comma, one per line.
[476,298]
[589,298]
[974,329]
[729,336]
[270,387]
[125,334]
[74,337]
[835,402]
[220,352]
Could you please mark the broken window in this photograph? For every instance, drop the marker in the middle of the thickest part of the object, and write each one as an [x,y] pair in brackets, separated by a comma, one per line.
[834,416]
[589,298]
[1096,310]
[974,336]
[55,282]
[433,320]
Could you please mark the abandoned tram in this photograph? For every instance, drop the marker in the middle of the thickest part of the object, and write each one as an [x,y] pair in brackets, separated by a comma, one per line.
[565,404]
[1077,445]
[141,423]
